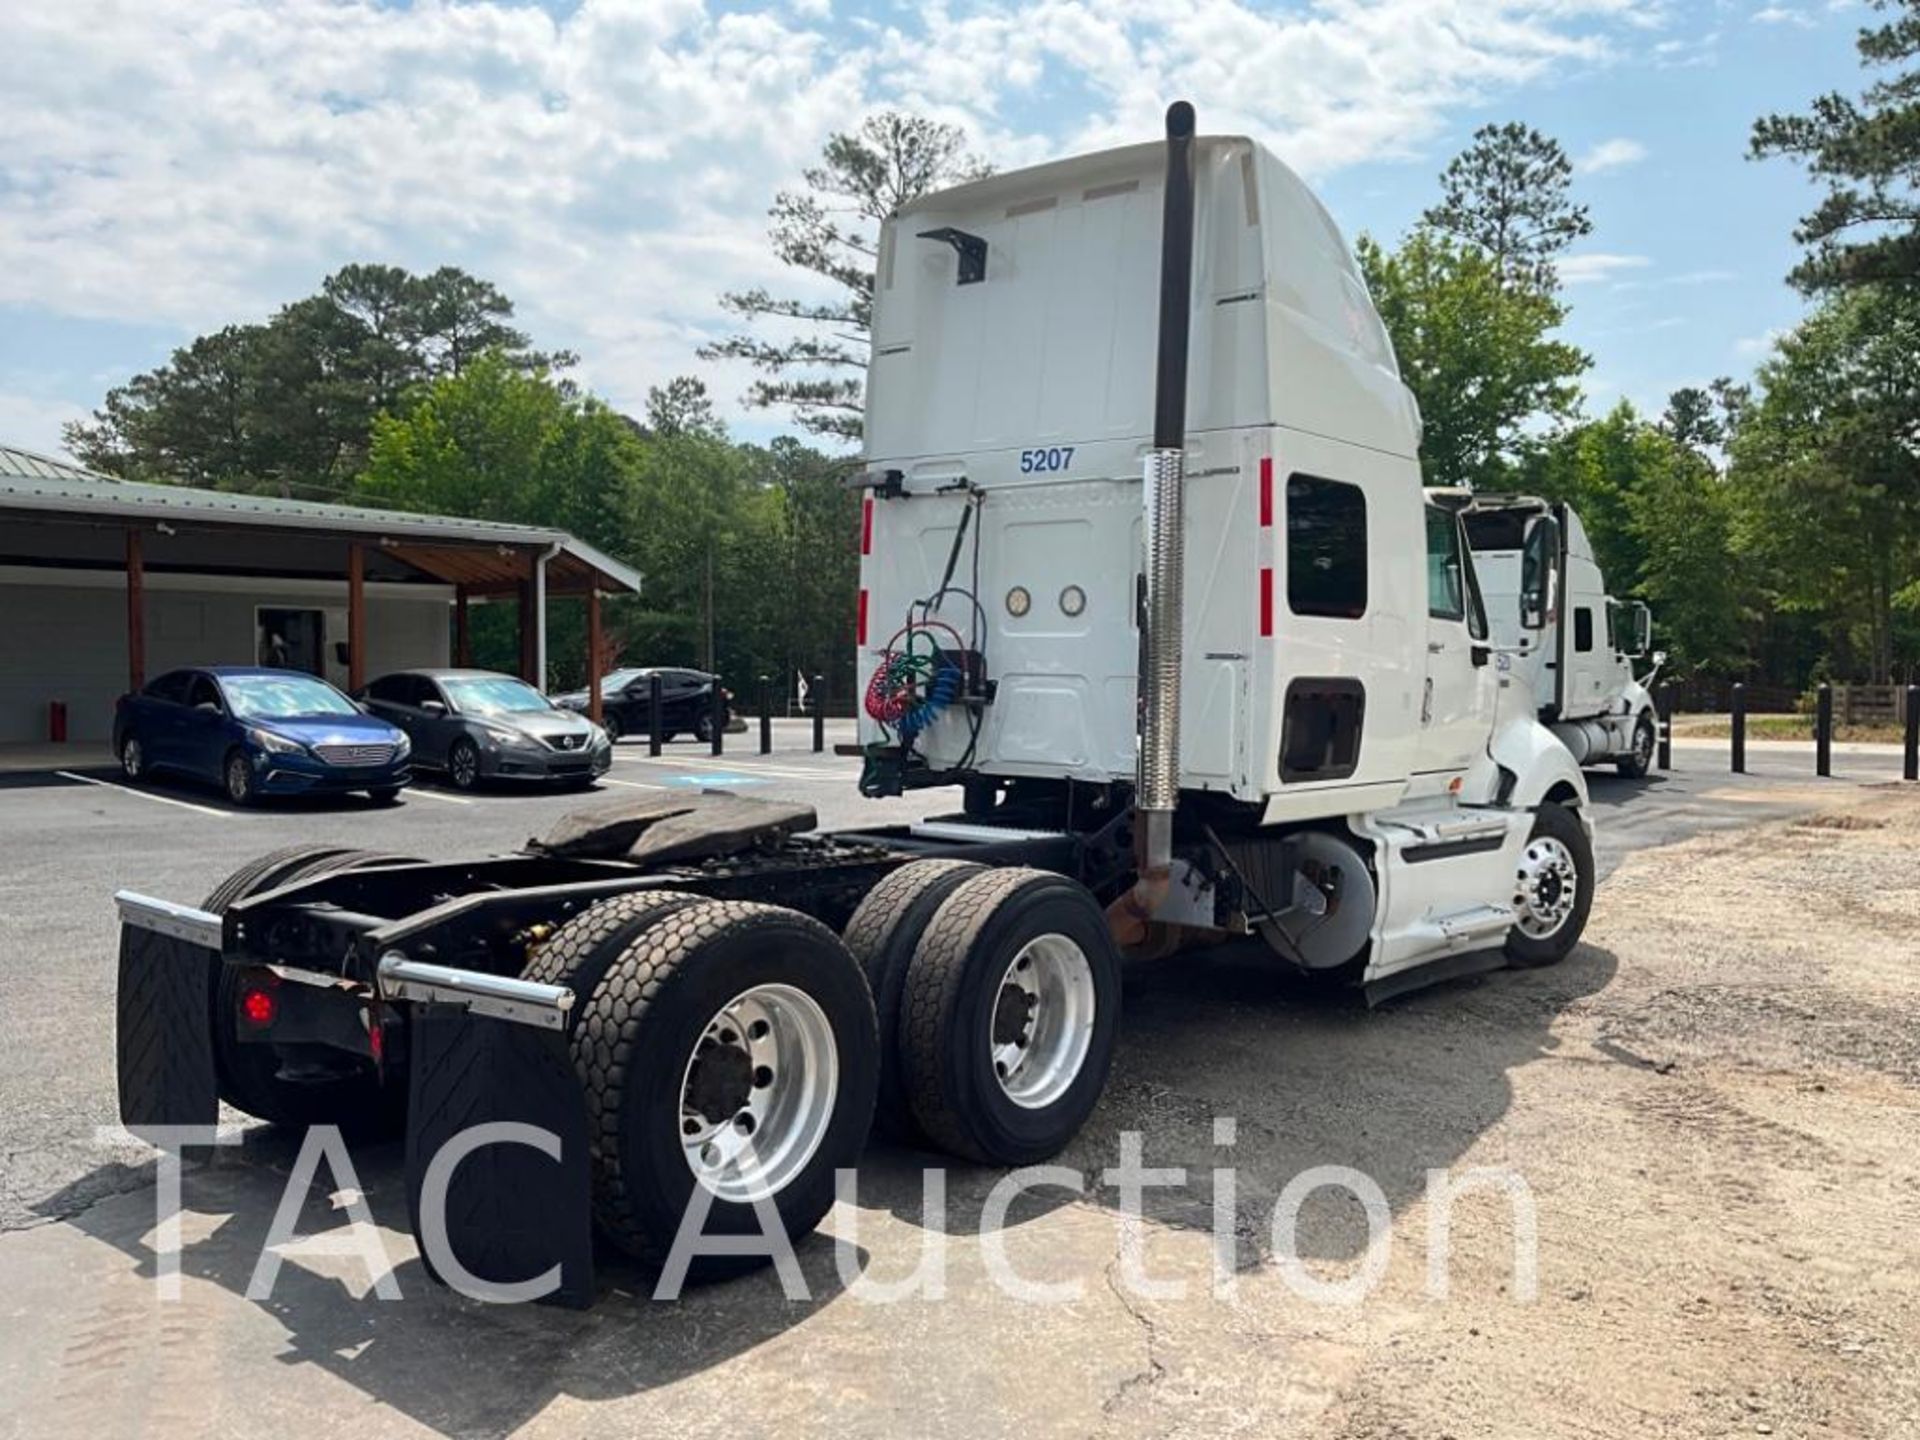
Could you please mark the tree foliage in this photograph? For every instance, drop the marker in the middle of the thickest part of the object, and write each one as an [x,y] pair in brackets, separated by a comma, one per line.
[1509,194]
[1477,352]
[1867,151]
[287,406]
[829,230]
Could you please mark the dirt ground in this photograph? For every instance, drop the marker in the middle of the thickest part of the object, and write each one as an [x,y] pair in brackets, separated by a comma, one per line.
[1714,1105]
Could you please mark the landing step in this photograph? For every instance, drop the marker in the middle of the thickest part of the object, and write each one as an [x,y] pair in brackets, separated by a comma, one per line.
[1475,920]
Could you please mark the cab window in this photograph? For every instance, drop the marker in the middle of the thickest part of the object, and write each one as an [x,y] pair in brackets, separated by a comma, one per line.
[1326,548]
[1583,630]
[1446,572]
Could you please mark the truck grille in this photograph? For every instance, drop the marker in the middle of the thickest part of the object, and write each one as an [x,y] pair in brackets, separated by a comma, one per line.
[354,755]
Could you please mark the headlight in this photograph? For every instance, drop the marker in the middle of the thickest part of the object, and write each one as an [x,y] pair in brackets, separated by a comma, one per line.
[404,748]
[500,735]
[599,738]
[276,744]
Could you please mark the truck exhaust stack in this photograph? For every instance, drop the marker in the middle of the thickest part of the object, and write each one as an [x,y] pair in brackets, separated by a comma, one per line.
[1163,491]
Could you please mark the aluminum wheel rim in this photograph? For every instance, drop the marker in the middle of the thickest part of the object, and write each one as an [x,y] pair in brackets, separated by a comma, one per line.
[237,778]
[757,1094]
[465,765]
[1643,745]
[1546,887]
[131,758]
[1042,1023]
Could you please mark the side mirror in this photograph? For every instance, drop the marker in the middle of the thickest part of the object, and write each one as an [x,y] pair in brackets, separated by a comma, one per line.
[1539,566]
[1659,658]
[434,707]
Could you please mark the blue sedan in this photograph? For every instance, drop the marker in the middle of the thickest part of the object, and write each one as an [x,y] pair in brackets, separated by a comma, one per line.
[257,732]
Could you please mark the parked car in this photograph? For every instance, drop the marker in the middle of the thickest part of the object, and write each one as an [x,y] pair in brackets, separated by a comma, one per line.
[474,725]
[255,731]
[626,702]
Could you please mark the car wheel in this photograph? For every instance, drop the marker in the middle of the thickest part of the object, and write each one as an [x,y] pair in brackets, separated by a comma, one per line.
[703,729]
[237,776]
[463,765]
[133,758]
[610,723]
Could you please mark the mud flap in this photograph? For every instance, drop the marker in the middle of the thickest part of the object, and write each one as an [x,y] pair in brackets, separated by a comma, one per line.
[512,1211]
[163,1044]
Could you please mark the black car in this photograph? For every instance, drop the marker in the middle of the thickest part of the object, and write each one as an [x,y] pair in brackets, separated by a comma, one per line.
[626,702]
[474,725]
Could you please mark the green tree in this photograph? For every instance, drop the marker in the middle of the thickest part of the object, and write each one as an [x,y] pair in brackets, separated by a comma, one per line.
[1827,466]
[1867,228]
[286,407]
[1478,354]
[1509,193]
[830,231]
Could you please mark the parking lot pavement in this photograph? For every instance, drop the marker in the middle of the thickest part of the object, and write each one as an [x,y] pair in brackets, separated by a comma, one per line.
[1219,1035]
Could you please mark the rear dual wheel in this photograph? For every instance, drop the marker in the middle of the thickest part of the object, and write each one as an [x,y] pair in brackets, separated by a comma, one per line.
[1002,992]
[732,1047]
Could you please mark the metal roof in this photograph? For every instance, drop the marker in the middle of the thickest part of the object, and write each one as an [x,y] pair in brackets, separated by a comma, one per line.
[54,488]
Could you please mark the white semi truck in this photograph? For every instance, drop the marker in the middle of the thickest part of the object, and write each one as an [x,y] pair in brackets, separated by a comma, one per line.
[1570,642]
[1147,573]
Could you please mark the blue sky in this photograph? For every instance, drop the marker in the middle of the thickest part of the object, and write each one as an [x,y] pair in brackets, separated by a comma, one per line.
[174,166]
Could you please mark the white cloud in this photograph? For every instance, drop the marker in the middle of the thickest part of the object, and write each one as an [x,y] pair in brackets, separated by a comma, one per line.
[1757,347]
[1687,279]
[1592,266]
[1614,154]
[1783,15]
[196,162]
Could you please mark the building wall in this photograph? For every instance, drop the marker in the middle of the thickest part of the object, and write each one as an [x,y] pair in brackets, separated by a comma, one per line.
[63,636]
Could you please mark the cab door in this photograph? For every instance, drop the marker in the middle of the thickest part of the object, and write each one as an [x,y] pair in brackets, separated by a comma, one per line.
[1456,711]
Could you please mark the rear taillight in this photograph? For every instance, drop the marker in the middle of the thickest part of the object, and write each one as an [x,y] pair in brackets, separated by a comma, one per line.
[259,1006]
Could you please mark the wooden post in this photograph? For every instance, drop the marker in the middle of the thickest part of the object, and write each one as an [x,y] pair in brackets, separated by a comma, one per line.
[136,613]
[527,622]
[462,631]
[356,618]
[596,651]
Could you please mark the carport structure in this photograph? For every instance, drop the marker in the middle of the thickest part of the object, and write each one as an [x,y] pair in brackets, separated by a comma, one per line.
[207,576]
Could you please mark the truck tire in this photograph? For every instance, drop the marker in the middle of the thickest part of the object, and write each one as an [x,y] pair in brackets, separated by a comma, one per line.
[718,1011]
[1639,760]
[1009,1016]
[882,935]
[1553,888]
[585,948]
[246,1075]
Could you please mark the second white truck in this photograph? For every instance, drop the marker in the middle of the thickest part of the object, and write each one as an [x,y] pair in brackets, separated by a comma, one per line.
[1563,635]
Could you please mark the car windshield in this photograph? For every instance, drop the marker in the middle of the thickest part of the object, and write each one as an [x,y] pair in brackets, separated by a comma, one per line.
[620,679]
[267,697]
[494,695]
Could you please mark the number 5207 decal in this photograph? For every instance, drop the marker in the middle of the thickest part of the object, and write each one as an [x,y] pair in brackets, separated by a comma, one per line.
[1040,462]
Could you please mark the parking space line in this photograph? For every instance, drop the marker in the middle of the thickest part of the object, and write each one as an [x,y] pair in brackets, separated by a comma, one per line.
[630,784]
[413,790]
[742,766]
[143,795]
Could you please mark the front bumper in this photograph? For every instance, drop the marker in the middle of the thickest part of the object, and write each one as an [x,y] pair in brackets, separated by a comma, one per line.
[538,762]
[287,774]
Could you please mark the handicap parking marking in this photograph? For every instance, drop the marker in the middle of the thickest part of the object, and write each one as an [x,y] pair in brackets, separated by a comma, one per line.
[702,781]
[147,795]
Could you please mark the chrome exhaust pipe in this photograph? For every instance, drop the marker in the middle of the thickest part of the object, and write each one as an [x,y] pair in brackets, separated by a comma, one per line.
[1157,791]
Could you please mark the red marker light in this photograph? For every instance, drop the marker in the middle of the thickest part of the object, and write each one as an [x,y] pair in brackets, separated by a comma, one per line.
[866,526]
[1266,492]
[258,1008]
[860,624]
[1266,602]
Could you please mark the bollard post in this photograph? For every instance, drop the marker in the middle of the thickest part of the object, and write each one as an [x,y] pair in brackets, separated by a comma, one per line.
[1739,728]
[656,719]
[1912,768]
[718,716]
[1823,731]
[766,716]
[817,693]
[1663,707]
